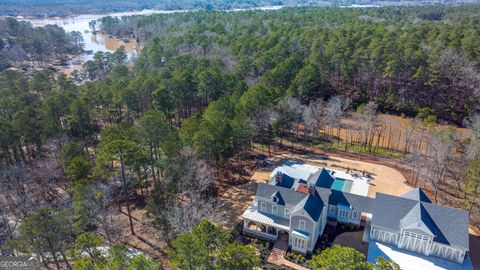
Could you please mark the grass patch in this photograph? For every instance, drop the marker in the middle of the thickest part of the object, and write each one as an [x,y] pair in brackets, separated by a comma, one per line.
[357,148]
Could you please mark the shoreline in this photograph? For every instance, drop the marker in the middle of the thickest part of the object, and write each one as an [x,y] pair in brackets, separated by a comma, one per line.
[136,12]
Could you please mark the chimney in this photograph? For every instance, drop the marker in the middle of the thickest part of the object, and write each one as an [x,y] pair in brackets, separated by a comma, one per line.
[278,177]
[311,189]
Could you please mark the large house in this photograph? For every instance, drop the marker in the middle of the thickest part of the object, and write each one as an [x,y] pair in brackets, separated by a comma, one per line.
[299,200]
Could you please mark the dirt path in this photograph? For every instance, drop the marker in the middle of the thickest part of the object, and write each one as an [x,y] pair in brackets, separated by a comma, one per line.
[147,238]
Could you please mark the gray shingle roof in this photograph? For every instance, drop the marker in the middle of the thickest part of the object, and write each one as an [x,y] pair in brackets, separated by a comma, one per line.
[360,203]
[418,218]
[449,225]
[416,194]
[324,193]
[290,197]
[312,204]
[452,223]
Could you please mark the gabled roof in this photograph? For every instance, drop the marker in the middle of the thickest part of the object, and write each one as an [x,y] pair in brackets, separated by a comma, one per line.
[290,197]
[324,179]
[286,181]
[417,194]
[312,204]
[279,197]
[448,225]
[418,219]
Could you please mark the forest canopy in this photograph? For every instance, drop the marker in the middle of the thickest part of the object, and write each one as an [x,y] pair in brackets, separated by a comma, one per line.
[52,8]
[402,58]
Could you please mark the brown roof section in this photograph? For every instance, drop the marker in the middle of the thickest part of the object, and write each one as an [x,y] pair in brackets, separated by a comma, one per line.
[303,188]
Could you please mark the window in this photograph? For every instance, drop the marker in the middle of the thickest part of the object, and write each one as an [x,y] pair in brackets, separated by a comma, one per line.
[299,243]
[286,212]
[342,213]
[354,215]
[332,209]
[301,225]
[274,209]
[263,206]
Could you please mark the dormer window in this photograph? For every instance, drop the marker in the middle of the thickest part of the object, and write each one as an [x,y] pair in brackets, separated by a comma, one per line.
[275,199]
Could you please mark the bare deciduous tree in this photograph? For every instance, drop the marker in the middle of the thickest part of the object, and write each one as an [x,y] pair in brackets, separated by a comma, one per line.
[334,112]
[440,146]
[313,115]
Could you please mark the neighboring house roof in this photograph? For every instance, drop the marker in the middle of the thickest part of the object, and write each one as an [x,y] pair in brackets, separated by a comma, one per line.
[417,194]
[290,197]
[448,225]
[360,203]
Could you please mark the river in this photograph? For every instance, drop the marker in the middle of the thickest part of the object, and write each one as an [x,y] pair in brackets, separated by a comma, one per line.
[100,42]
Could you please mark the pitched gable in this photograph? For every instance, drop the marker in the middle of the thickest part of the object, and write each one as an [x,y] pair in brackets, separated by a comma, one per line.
[447,225]
[277,198]
[416,194]
[312,204]
[324,179]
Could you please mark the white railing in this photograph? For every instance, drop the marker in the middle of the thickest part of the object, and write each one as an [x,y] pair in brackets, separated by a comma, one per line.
[260,233]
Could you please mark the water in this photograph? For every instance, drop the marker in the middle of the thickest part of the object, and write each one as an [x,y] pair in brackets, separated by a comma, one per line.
[93,42]
[100,42]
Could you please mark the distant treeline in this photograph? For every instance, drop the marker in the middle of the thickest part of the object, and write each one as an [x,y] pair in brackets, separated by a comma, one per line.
[401,58]
[52,8]
[22,44]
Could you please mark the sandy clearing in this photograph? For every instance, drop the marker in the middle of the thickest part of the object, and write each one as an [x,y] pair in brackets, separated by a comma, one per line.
[235,201]
[385,179]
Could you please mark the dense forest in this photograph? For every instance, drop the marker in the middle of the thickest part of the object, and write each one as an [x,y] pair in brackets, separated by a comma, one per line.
[22,45]
[52,8]
[402,58]
[137,155]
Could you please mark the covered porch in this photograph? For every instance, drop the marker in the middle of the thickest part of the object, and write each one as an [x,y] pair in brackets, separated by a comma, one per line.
[263,225]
